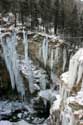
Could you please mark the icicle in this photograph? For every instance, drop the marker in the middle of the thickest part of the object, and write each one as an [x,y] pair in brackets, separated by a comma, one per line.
[30,78]
[57,55]
[40,52]
[45,50]
[10,62]
[30,73]
[7,56]
[64,58]
[42,82]
[53,78]
[52,60]
[51,65]
[25,42]
[18,78]
[10,56]
[73,72]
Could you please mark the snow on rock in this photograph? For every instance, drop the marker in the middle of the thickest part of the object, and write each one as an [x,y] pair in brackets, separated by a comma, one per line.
[22,122]
[72,86]
[48,95]
[5,123]
[70,107]
[74,76]
[56,104]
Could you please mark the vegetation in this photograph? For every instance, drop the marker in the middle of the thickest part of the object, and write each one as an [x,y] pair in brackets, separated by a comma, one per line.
[63,16]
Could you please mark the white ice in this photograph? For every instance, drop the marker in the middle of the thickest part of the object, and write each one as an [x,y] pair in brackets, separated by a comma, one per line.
[45,50]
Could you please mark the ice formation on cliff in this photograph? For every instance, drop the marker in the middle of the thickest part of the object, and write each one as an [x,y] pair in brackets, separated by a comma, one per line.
[45,50]
[10,56]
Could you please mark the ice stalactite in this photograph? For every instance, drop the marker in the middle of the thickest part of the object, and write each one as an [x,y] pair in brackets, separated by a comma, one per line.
[51,66]
[45,50]
[30,78]
[73,72]
[27,61]
[7,56]
[10,56]
[17,75]
[43,82]
[75,68]
[51,60]
[40,52]
[57,51]
[25,42]
[64,58]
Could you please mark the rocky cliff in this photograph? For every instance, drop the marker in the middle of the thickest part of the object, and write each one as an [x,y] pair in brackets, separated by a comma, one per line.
[68,108]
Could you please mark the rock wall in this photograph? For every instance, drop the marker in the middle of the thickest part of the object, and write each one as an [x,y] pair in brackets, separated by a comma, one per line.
[56,52]
[70,102]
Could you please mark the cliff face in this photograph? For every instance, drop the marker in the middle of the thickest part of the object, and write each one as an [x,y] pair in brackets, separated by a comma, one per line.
[51,52]
[70,102]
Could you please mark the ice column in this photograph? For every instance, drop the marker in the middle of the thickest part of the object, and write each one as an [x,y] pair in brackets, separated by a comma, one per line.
[27,61]
[45,50]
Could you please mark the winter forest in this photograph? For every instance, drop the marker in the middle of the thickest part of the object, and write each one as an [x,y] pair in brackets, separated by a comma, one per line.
[41,62]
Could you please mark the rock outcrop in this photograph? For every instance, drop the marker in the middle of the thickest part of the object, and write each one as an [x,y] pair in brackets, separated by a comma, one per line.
[70,102]
[50,51]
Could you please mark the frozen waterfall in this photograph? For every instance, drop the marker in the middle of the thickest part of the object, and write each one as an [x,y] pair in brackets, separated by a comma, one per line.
[25,42]
[45,50]
[17,75]
[64,58]
[27,61]
[52,60]
[10,56]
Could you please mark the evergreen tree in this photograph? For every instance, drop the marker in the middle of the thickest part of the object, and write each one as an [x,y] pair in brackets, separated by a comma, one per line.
[33,13]
[74,22]
[24,10]
[56,15]
[61,16]
[81,25]
[45,13]
[5,5]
